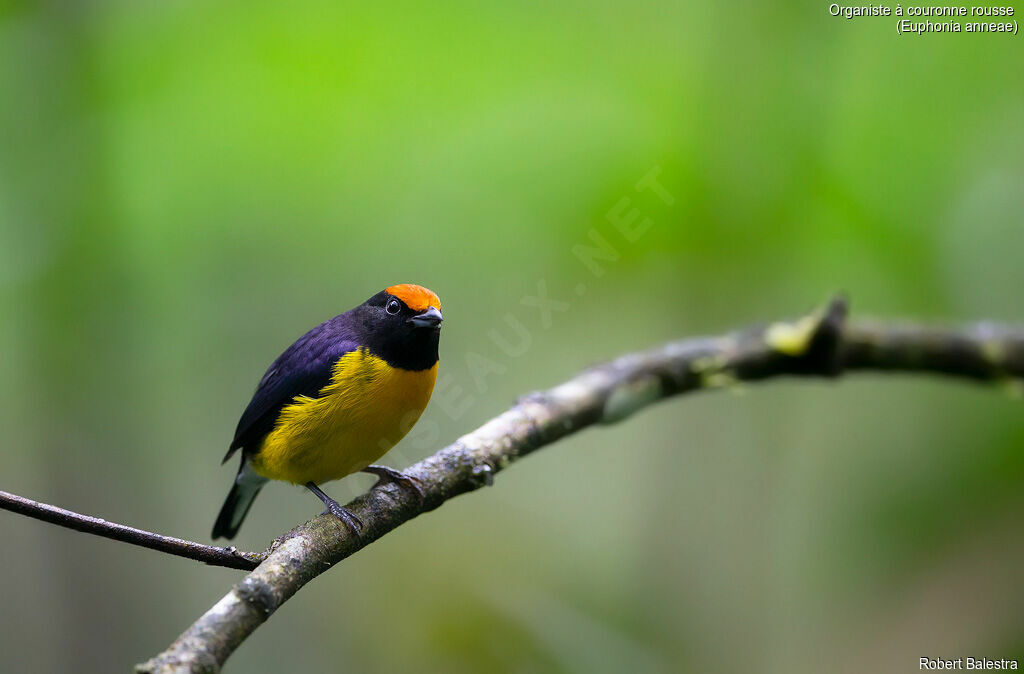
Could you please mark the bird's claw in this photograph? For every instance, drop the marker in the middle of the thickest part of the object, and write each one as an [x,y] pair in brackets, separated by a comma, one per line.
[348,517]
[387,475]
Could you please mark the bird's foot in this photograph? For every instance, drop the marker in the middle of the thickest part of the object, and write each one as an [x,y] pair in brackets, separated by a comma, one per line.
[386,475]
[336,509]
[345,515]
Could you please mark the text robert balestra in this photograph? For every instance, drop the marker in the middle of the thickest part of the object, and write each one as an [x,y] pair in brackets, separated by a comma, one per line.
[975,664]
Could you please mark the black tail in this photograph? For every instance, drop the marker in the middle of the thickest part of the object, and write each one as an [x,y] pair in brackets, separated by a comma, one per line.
[236,506]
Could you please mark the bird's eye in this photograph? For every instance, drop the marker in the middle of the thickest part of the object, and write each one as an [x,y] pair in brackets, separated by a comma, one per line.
[393,307]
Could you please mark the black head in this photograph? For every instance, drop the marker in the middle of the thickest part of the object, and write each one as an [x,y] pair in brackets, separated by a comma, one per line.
[402,325]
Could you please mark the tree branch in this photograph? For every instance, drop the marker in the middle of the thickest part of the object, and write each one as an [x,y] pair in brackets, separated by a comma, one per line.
[817,345]
[213,555]
[980,353]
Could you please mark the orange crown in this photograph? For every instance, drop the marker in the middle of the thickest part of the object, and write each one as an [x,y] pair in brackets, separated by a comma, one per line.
[415,297]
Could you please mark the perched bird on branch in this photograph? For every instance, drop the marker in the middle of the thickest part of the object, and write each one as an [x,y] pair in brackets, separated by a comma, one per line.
[337,400]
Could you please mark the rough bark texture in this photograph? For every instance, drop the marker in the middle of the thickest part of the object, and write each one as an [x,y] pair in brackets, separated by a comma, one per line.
[821,345]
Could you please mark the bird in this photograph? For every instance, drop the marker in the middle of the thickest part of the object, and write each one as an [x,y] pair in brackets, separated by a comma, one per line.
[337,400]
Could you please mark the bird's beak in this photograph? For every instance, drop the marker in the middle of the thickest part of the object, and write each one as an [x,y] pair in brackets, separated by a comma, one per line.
[431,318]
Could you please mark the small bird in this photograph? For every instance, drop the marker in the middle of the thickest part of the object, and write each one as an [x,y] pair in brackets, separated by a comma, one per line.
[337,400]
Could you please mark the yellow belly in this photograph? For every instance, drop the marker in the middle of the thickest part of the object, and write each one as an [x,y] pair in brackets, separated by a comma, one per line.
[366,409]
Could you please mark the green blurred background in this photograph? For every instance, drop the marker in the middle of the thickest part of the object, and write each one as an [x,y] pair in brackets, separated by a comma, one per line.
[186,188]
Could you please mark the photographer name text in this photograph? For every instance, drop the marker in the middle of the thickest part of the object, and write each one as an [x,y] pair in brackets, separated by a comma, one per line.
[943,664]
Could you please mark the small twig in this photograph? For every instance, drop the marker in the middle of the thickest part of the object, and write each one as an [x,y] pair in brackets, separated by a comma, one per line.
[213,555]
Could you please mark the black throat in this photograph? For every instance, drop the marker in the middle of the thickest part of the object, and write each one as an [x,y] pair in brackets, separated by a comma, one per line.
[398,342]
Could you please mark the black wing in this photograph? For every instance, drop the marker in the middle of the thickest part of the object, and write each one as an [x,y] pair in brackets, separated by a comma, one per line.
[303,369]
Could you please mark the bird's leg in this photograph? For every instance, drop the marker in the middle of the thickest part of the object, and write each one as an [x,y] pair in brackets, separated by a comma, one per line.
[386,475]
[336,509]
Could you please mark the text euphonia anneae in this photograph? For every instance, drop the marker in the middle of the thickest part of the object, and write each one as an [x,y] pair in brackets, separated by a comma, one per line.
[337,400]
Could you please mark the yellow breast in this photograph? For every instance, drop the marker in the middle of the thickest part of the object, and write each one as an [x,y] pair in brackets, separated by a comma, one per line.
[362,413]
